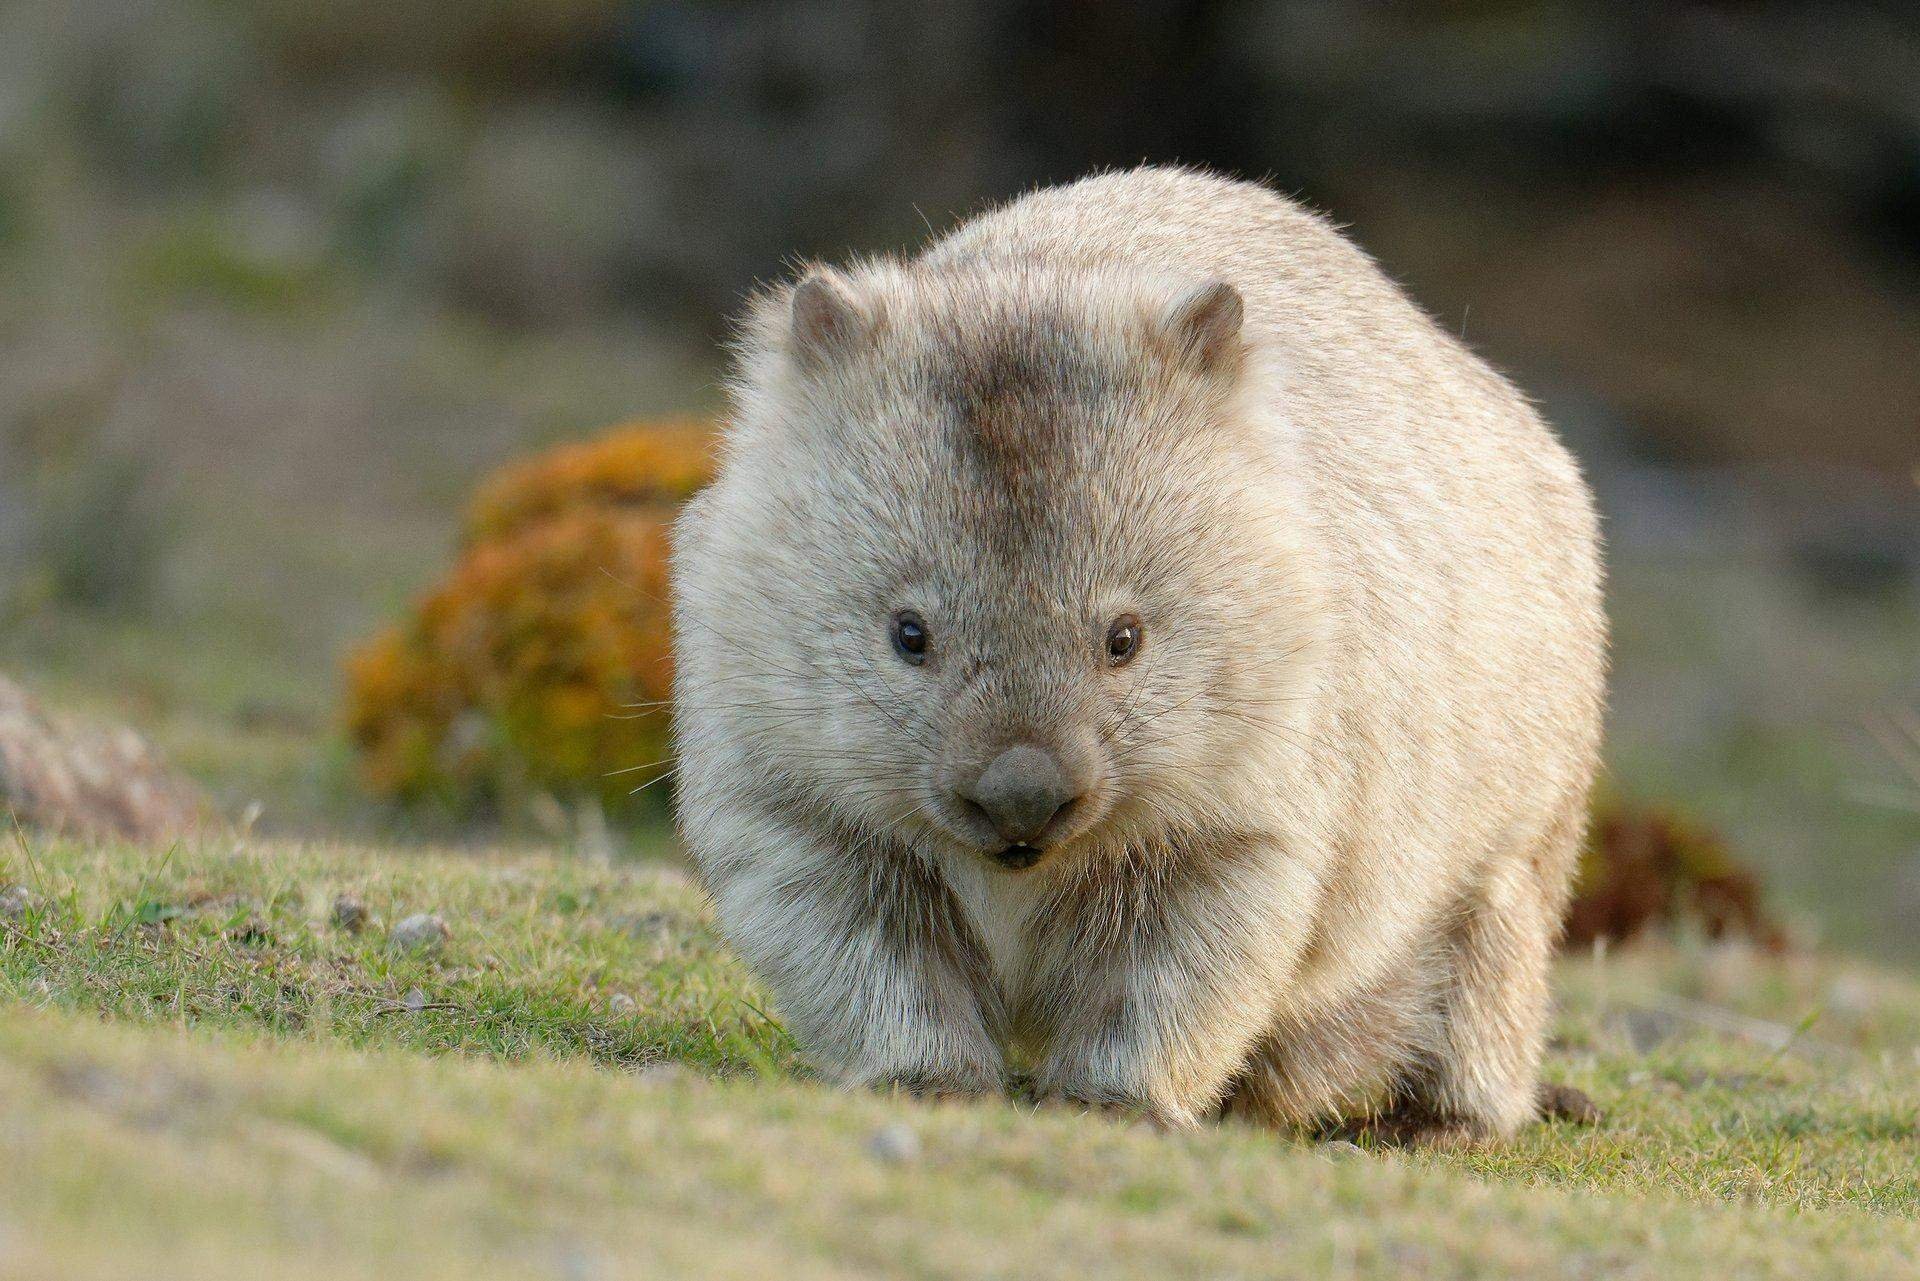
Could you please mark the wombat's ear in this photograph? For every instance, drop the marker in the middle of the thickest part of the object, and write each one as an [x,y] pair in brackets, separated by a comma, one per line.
[1204,324]
[828,318]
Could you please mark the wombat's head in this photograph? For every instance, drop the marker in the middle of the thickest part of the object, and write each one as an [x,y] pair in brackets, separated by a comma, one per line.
[996,559]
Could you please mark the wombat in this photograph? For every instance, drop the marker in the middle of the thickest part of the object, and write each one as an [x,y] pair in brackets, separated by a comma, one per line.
[1130,645]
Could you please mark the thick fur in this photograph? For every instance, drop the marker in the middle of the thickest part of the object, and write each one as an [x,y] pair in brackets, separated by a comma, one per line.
[1335,801]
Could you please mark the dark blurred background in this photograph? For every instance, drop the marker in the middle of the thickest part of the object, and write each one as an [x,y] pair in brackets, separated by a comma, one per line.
[278,281]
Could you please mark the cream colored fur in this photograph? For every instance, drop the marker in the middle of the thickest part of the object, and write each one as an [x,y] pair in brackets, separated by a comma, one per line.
[1336,800]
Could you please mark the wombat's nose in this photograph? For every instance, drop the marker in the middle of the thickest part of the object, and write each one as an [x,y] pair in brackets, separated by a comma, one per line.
[1020,792]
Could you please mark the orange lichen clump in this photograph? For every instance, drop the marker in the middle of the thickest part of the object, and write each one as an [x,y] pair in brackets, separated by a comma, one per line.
[641,466]
[541,664]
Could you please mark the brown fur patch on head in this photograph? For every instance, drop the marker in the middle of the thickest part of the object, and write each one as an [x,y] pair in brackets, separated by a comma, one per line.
[1010,387]
[1043,386]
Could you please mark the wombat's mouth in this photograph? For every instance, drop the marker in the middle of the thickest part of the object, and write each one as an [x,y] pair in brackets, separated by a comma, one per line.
[1018,857]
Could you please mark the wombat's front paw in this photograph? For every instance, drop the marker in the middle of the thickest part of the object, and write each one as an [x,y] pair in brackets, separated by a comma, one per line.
[1126,1112]
[1111,1103]
[931,1079]
[940,1085]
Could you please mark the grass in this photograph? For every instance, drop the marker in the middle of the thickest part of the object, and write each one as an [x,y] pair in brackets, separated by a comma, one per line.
[201,1072]
[246,942]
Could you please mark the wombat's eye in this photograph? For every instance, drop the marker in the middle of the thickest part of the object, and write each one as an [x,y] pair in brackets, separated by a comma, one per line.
[910,637]
[1123,639]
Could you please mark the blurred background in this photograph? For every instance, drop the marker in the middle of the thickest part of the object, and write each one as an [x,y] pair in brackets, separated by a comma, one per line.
[281,283]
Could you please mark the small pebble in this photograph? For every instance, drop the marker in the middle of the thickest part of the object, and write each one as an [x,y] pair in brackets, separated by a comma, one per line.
[622,1004]
[895,1144]
[349,913]
[1852,994]
[423,931]
[16,901]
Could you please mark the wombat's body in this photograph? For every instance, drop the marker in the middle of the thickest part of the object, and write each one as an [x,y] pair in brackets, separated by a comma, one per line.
[1132,640]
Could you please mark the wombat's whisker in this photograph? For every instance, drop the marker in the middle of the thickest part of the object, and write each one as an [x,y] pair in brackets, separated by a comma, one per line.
[635,769]
[661,778]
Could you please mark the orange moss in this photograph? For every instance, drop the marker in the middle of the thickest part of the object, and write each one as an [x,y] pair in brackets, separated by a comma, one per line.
[639,466]
[541,663]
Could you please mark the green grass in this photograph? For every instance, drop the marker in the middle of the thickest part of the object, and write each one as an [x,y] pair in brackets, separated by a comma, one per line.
[201,1073]
[246,941]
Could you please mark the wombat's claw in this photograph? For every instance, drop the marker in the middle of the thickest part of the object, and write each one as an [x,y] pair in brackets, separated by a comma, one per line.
[1128,1113]
[947,1094]
[1115,1110]
[929,1088]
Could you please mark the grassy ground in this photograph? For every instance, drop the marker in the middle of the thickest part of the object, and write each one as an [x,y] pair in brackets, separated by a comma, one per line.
[202,1072]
